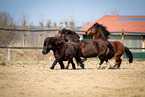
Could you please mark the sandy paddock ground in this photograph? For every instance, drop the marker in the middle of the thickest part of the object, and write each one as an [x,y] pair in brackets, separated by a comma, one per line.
[35,79]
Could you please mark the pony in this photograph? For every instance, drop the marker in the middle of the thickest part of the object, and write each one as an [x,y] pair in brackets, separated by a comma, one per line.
[63,51]
[70,36]
[100,32]
[90,48]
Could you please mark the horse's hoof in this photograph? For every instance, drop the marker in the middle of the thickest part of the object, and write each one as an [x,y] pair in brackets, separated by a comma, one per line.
[118,67]
[66,68]
[82,66]
[51,67]
[114,66]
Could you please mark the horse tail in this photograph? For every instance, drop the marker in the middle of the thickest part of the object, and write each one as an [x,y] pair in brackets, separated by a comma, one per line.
[129,55]
[111,50]
[79,61]
[78,55]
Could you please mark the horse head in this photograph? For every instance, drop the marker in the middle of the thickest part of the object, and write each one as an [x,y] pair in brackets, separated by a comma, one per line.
[50,43]
[99,32]
[46,46]
[93,30]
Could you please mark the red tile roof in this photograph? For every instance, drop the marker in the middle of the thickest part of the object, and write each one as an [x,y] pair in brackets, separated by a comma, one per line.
[116,26]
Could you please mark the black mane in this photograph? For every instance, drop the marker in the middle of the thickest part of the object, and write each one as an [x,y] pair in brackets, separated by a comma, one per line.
[103,30]
[64,31]
[70,35]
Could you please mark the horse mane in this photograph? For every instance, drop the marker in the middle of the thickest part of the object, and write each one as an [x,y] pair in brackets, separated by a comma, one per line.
[66,31]
[70,35]
[103,30]
[52,39]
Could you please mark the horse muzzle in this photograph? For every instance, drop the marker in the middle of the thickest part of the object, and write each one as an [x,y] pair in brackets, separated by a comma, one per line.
[44,52]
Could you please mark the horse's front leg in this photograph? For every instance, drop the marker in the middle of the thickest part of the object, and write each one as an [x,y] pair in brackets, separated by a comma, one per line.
[61,64]
[99,66]
[53,65]
[73,64]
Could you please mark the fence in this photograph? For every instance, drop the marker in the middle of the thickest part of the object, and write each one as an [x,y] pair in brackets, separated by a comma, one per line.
[23,38]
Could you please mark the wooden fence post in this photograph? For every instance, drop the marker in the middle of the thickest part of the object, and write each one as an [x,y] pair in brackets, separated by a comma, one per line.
[122,40]
[23,39]
[9,53]
[59,30]
[122,36]
[2,56]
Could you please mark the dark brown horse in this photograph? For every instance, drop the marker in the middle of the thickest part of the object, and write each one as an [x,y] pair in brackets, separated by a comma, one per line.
[90,48]
[63,51]
[100,32]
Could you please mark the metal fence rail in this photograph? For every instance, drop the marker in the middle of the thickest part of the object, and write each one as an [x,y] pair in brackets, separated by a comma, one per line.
[25,30]
[44,30]
[22,47]
[40,47]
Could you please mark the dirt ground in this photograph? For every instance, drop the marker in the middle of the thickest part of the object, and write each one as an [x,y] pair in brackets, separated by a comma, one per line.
[35,79]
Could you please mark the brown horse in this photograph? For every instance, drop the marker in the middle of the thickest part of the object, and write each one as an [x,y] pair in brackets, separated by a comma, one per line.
[90,48]
[100,32]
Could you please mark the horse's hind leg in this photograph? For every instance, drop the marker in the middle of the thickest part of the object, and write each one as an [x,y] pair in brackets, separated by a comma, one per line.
[118,61]
[80,61]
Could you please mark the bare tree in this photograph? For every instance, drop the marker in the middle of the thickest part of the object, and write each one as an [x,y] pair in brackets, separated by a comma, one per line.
[112,12]
[48,23]
[72,24]
[61,23]
[66,24]
[31,25]
[41,22]
[55,25]
[6,20]
[85,24]
[6,37]
[24,20]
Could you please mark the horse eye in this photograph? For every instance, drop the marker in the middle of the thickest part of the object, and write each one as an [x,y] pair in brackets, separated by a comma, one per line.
[91,29]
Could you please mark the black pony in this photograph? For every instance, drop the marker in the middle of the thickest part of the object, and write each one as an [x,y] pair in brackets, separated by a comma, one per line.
[90,48]
[62,51]
[70,36]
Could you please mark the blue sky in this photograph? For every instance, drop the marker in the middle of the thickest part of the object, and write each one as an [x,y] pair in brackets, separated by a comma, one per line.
[61,10]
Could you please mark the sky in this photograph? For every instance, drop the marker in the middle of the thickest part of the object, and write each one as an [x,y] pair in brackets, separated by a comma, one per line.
[80,11]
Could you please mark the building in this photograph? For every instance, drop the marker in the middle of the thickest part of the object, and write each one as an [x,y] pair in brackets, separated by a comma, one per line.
[133,26]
